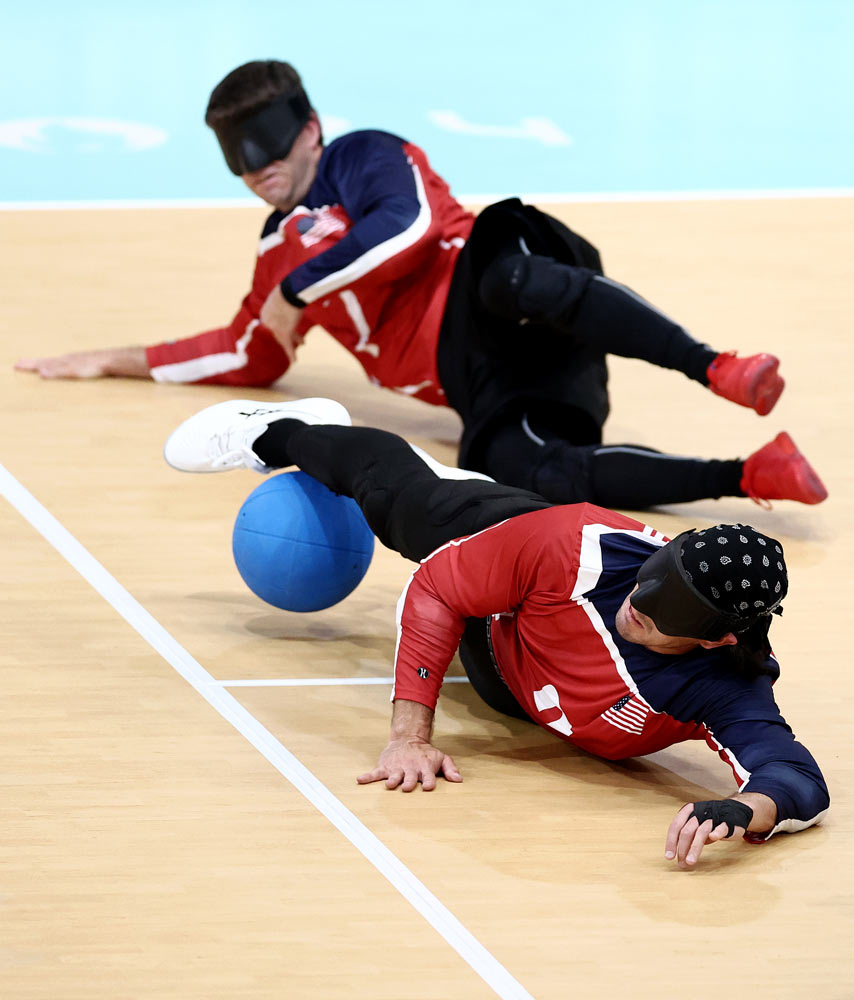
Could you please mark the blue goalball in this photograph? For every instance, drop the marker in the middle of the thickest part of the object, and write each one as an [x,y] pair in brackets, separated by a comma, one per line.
[298,545]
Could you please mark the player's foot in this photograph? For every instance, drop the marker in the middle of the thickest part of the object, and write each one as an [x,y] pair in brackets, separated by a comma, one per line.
[446,471]
[778,471]
[749,381]
[221,436]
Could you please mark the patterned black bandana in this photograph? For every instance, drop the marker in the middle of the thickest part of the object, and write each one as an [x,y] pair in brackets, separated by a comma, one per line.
[738,569]
[705,584]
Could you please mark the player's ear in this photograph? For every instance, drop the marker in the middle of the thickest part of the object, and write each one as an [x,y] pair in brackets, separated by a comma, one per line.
[728,640]
[313,129]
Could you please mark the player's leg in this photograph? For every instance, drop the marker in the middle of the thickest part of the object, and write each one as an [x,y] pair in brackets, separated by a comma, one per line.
[602,313]
[406,501]
[409,507]
[403,492]
[529,453]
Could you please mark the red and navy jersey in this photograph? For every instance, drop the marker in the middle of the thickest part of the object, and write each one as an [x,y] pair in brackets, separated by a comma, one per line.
[370,255]
[552,582]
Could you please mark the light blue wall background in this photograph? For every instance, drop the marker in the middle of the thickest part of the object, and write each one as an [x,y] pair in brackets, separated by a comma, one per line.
[654,96]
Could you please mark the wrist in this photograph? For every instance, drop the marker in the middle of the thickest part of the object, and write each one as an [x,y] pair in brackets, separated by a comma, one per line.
[411,720]
[764,810]
[127,362]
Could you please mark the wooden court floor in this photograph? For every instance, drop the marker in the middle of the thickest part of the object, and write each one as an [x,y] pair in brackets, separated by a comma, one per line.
[165,834]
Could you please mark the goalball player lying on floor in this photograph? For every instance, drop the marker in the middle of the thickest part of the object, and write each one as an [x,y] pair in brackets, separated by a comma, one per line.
[583,620]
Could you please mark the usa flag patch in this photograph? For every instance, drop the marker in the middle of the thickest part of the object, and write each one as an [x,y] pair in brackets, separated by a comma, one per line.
[317,225]
[628,714]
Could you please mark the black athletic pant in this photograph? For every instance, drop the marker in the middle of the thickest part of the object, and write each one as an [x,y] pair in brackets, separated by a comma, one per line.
[535,451]
[540,446]
[590,310]
[408,507]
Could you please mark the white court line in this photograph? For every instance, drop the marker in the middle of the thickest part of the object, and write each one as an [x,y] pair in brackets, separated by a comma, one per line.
[736,194]
[369,845]
[321,682]
[536,198]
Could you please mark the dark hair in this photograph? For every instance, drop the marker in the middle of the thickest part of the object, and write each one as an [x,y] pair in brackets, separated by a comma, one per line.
[249,88]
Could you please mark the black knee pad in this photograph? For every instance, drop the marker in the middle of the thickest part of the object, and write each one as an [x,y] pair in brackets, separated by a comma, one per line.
[563,474]
[533,287]
[500,284]
[548,465]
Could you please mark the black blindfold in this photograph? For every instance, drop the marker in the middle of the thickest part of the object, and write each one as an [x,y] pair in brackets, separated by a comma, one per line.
[266,136]
[665,594]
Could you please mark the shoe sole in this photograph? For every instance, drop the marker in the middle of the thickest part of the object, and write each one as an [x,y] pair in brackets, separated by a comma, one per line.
[315,410]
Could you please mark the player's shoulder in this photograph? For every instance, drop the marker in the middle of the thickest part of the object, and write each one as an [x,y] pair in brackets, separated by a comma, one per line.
[362,145]
[601,539]
[567,528]
[590,514]
[365,138]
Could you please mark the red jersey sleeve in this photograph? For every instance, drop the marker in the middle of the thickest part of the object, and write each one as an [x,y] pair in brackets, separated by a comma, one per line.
[531,558]
[243,353]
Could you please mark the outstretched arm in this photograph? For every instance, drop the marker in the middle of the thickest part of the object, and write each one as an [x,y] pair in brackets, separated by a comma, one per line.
[409,757]
[244,353]
[247,352]
[122,362]
[777,777]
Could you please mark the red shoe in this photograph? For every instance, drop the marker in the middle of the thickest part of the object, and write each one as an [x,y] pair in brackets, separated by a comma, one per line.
[749,381]
[780,472]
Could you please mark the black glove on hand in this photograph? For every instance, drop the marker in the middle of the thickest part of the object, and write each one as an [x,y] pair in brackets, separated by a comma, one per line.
[724,811]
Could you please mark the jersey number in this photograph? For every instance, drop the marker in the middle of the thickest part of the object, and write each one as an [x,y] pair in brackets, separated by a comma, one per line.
[546,699]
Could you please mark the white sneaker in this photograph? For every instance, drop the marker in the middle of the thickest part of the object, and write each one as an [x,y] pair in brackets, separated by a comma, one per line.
[221,436]
[445,471]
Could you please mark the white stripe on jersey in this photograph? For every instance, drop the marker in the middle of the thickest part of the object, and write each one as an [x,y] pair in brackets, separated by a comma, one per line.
[274,239]
[589,571]
[357,316]
[378,254]
[209,365]
[590,556]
